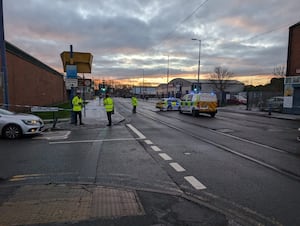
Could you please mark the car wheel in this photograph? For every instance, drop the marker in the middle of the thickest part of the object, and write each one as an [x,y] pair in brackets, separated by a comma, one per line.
[213,114]
[12,131]
[169,108]
[195,113]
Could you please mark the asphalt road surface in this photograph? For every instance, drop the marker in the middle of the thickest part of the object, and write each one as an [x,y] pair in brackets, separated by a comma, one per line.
[241,165]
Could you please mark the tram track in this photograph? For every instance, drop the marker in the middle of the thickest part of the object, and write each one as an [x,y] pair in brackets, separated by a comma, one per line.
[285,171]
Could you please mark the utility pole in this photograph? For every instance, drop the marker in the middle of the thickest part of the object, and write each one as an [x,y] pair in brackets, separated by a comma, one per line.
[3,59]
[198,85]
[143,84]
[168,77]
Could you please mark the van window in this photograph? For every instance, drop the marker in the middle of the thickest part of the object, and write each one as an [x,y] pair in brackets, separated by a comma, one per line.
[184,98]
[190,97]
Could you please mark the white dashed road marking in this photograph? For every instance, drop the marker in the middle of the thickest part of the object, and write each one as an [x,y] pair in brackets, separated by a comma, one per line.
[164,156]
[177,167]
[191,179]
[155,148]
[148,142]
[140,135]
[195,183]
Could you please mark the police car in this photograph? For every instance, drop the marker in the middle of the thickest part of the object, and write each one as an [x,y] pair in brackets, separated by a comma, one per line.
[196,103]
[168,104]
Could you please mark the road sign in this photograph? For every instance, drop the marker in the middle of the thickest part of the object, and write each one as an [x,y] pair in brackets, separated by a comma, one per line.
[71,82]
[71,71]
[83,61]
[84,82]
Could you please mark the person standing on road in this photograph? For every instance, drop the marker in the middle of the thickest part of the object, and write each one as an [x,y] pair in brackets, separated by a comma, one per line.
[109,107]
[77,107]
[134,103]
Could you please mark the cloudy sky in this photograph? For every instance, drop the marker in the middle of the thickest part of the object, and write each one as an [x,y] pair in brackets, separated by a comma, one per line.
[129,37]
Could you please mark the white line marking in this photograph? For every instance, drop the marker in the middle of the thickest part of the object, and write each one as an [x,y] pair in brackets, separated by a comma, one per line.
[177,167]
[53,135]
[140,135]
[155,148]
[148,142]
[195,183]
[90,141]
[164,156]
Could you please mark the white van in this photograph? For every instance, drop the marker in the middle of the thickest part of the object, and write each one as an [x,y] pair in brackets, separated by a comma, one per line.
[196,103]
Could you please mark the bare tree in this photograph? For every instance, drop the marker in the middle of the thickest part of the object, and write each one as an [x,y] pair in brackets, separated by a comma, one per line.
[279,71]
[220,78]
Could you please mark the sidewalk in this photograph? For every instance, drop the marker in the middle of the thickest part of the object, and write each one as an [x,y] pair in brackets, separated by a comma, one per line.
[255,111]
[92,114]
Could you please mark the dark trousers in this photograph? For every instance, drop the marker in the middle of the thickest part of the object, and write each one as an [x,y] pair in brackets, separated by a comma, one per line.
[134,109]
[109,117]
[77,114]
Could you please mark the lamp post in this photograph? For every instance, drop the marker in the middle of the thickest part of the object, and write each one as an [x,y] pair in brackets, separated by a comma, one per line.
[198,85]
[168,78]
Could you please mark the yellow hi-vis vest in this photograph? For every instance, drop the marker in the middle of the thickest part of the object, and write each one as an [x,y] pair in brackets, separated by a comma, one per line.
[77,103]
[134,101]
[108,104]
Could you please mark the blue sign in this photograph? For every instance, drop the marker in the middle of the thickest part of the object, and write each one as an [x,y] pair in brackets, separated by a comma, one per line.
[71,71]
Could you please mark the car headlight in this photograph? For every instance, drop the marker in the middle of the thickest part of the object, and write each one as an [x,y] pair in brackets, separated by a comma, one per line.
[31,122]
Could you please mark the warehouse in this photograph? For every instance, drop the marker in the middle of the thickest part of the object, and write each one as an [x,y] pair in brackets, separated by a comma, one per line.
[31,82]
[292,80]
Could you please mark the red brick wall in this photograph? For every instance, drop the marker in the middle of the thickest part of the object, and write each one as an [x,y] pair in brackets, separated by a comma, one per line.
[31,83]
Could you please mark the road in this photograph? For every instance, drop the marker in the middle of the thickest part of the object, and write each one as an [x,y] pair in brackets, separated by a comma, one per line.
[240,164]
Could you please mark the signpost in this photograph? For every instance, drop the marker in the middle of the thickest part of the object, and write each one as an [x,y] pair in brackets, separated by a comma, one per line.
[73,63]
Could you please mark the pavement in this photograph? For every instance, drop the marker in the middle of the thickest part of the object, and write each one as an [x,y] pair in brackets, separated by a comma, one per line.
[92,204]
[242,109]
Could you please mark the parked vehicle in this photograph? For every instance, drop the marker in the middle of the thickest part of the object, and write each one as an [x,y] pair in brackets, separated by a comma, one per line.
[168,104]
[237,99]
[14,125]
[298,137]
[272,104]
[199,103]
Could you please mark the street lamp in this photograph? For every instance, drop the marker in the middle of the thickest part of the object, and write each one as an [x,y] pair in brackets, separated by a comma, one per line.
[198,85]
[168,78]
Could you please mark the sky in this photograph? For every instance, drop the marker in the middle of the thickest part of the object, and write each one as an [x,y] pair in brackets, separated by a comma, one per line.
[132,40]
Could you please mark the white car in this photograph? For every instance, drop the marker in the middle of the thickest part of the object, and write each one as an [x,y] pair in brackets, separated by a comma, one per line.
[14,125]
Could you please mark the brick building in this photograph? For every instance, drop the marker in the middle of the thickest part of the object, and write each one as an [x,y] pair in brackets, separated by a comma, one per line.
[292,80]
[31,82]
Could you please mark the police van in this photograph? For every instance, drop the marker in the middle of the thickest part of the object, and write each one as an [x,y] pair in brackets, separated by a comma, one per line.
[196,103]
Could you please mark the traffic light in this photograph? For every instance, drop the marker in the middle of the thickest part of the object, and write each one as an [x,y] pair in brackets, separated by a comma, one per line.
[102,87]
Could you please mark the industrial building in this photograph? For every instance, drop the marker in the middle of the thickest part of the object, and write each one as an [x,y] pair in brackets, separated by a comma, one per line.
[30,82]
[292,81]
[178,87]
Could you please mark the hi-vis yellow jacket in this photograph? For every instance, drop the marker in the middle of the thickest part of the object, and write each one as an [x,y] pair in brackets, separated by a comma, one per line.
[134,101]
[77,103]
[108,104]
